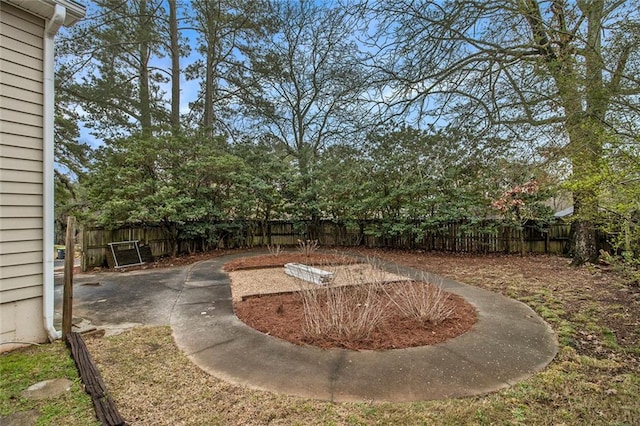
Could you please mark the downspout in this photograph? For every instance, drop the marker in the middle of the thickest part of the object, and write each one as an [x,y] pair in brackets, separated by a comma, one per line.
[48,299]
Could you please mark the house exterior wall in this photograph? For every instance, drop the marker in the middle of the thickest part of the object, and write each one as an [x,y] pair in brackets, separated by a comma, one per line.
[21,176]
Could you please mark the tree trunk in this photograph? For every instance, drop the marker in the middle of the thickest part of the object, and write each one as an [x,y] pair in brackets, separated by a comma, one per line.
[585,111]
[507,238]
[175,67]
[583,245]
[171,233]
[143,70]
[213,12]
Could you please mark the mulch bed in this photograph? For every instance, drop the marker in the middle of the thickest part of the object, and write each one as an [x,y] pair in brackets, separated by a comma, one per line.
[282,316]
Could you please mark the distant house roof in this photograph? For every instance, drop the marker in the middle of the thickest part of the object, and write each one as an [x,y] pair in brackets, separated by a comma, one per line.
[565,212]
[44,9]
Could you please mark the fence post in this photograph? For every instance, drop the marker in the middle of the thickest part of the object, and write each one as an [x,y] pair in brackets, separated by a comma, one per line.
[67,297]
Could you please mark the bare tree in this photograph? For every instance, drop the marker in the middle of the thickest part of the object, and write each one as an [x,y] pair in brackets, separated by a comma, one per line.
[305,82]
[564,69]
[305,85]
[223,29]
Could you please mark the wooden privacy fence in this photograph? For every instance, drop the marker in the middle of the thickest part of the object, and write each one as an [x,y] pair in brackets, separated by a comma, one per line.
[95,248]
[484,237]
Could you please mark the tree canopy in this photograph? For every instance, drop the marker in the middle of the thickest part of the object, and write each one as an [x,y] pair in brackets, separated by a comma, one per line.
[560,74]
[210,110]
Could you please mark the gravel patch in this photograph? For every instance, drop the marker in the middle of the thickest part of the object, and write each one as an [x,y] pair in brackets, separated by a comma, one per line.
[274,280]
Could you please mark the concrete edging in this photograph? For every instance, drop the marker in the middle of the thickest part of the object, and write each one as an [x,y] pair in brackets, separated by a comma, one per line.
[509,343]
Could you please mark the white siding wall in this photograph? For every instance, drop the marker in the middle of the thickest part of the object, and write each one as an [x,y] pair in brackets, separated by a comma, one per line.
[21,173]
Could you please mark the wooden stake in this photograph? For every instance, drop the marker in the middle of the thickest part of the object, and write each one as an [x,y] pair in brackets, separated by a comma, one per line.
[67,297]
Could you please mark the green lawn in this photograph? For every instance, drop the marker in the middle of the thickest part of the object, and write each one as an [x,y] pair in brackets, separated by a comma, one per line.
[22,368]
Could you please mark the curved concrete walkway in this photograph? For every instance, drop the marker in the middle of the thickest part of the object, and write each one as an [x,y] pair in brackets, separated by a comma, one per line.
[508,344]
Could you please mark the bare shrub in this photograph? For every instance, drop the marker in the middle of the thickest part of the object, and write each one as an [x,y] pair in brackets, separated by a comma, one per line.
[308,247]
[348,312]
[422,301]
[343,312]
[274,250]
[353,310]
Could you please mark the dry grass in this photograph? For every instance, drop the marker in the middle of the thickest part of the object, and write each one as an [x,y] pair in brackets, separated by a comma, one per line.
[153,383]
[343,312]
[308,247]
[274,250]
[594,379]
[356,306]
[425,303]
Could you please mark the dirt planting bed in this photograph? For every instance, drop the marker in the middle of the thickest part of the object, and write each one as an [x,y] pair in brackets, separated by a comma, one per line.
[282,316]
[268,300]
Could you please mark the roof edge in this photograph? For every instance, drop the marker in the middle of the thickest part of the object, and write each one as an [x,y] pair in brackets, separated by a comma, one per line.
[45,9]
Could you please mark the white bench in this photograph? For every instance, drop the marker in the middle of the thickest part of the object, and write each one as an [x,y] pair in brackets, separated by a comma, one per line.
[308,273]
